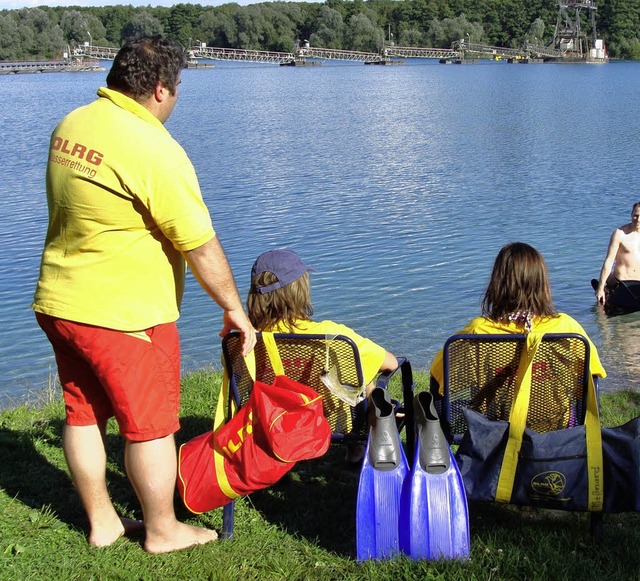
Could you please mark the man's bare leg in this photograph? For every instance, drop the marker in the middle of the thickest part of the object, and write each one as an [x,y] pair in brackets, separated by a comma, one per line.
[86,457]
[152,470]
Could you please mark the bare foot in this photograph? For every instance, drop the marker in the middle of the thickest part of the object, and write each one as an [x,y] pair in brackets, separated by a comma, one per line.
[182,536]
[105,534]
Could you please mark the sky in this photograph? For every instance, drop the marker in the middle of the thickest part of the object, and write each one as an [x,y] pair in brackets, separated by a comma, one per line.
[14,4]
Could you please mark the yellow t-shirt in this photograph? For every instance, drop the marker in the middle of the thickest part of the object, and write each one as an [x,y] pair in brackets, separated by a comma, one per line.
[562,323]
[372,355]
[124,202]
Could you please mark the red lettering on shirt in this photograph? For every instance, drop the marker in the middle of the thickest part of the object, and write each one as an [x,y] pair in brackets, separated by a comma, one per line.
[77,150]
[94,157]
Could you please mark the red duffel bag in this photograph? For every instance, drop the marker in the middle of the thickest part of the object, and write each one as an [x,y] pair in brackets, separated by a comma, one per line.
[279,425]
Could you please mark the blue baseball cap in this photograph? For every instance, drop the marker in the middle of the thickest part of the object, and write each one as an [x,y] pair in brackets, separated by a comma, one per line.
[285,264]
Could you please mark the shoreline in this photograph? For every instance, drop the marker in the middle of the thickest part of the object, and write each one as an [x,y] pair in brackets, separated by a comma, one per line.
[51,394]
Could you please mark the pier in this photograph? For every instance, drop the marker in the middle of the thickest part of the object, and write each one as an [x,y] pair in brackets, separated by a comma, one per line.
[461,51]
[61,66]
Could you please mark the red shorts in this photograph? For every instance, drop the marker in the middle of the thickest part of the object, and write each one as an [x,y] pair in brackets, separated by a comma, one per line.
[107,373]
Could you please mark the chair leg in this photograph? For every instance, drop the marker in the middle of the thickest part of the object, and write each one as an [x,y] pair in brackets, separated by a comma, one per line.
[407,396]
[596,527]
[227,520]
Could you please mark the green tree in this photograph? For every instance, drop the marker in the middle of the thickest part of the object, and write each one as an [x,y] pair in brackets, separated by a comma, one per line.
[39,35]
[97,30]
[180,22]
[251,27]
[283,23]
[116,19]
[363,35]
[442,33]
[10,40]
[536,33]
[409,37]
[75,26]
[330,29]
[623,28]
[142,24]
[216,28]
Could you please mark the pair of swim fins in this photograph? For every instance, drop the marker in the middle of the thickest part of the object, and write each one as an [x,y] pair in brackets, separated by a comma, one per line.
[419,511]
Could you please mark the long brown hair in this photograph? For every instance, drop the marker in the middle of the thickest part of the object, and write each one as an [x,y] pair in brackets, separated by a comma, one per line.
[519,282]
[287,304]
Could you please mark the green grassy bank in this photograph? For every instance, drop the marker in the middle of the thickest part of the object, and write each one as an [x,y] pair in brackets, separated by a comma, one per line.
[302,528]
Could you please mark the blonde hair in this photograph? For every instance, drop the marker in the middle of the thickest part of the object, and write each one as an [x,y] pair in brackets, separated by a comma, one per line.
[283,305]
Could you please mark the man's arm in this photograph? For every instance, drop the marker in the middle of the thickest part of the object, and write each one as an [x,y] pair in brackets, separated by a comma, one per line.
[612,252]
[211,269]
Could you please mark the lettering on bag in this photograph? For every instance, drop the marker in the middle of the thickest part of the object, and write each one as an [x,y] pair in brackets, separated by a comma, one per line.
[233,446]
[551,483]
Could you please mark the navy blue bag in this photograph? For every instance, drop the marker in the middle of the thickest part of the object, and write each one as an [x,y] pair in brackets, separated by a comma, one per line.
[552,467]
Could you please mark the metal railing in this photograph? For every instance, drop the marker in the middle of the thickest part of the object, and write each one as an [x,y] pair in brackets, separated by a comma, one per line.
[238,54]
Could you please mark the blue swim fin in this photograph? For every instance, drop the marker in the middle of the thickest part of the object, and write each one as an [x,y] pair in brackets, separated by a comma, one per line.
[434,517]
[384,469]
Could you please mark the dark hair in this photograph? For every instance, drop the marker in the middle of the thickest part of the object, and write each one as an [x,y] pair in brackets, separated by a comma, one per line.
[519,282]
[143,62]
[634,207]
[283,305]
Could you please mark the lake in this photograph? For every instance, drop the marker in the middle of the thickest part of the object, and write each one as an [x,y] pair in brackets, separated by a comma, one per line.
[397,184]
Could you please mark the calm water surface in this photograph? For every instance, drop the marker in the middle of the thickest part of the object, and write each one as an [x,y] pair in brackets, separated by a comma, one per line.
[398,184]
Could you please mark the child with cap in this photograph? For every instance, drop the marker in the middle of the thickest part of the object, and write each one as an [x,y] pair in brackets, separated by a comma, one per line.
[279,301]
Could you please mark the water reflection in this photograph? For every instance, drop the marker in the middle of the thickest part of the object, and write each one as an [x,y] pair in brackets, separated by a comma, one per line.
[620,346]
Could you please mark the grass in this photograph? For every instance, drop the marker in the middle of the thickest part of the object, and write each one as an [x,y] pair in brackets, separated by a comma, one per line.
[302,528]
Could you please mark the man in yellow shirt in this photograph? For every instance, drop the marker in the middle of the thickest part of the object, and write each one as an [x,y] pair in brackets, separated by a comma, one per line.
[125,213]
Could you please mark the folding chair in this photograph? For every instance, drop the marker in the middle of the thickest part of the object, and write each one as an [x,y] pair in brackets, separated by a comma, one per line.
[480,373]
[305,357]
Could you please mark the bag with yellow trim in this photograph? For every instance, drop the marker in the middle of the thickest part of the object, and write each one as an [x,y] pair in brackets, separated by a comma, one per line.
[507,462]
[552,467]
[279,425]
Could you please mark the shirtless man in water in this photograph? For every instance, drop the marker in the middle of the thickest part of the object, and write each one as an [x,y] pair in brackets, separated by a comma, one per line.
[623,254]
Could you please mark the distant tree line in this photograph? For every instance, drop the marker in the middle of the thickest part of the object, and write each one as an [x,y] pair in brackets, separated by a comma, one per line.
[44,32]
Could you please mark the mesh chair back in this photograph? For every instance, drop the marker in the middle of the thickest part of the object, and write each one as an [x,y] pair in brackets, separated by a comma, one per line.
[304,358]
[481,372]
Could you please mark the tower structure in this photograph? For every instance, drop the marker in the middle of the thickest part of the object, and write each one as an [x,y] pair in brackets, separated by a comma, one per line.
[575,32]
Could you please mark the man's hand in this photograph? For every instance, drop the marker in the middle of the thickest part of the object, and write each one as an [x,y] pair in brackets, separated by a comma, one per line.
[600,296]
[237,319]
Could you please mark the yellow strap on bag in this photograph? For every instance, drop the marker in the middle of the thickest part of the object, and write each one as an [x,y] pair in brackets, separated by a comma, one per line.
[223,398]
[517,419]
[220,419]
[273,354]
[594,450]
[517,424]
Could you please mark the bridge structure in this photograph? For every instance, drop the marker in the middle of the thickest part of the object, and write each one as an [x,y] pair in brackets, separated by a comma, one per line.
[285,58]
[239,54]
[460,51]
[418,52]
[87,50]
